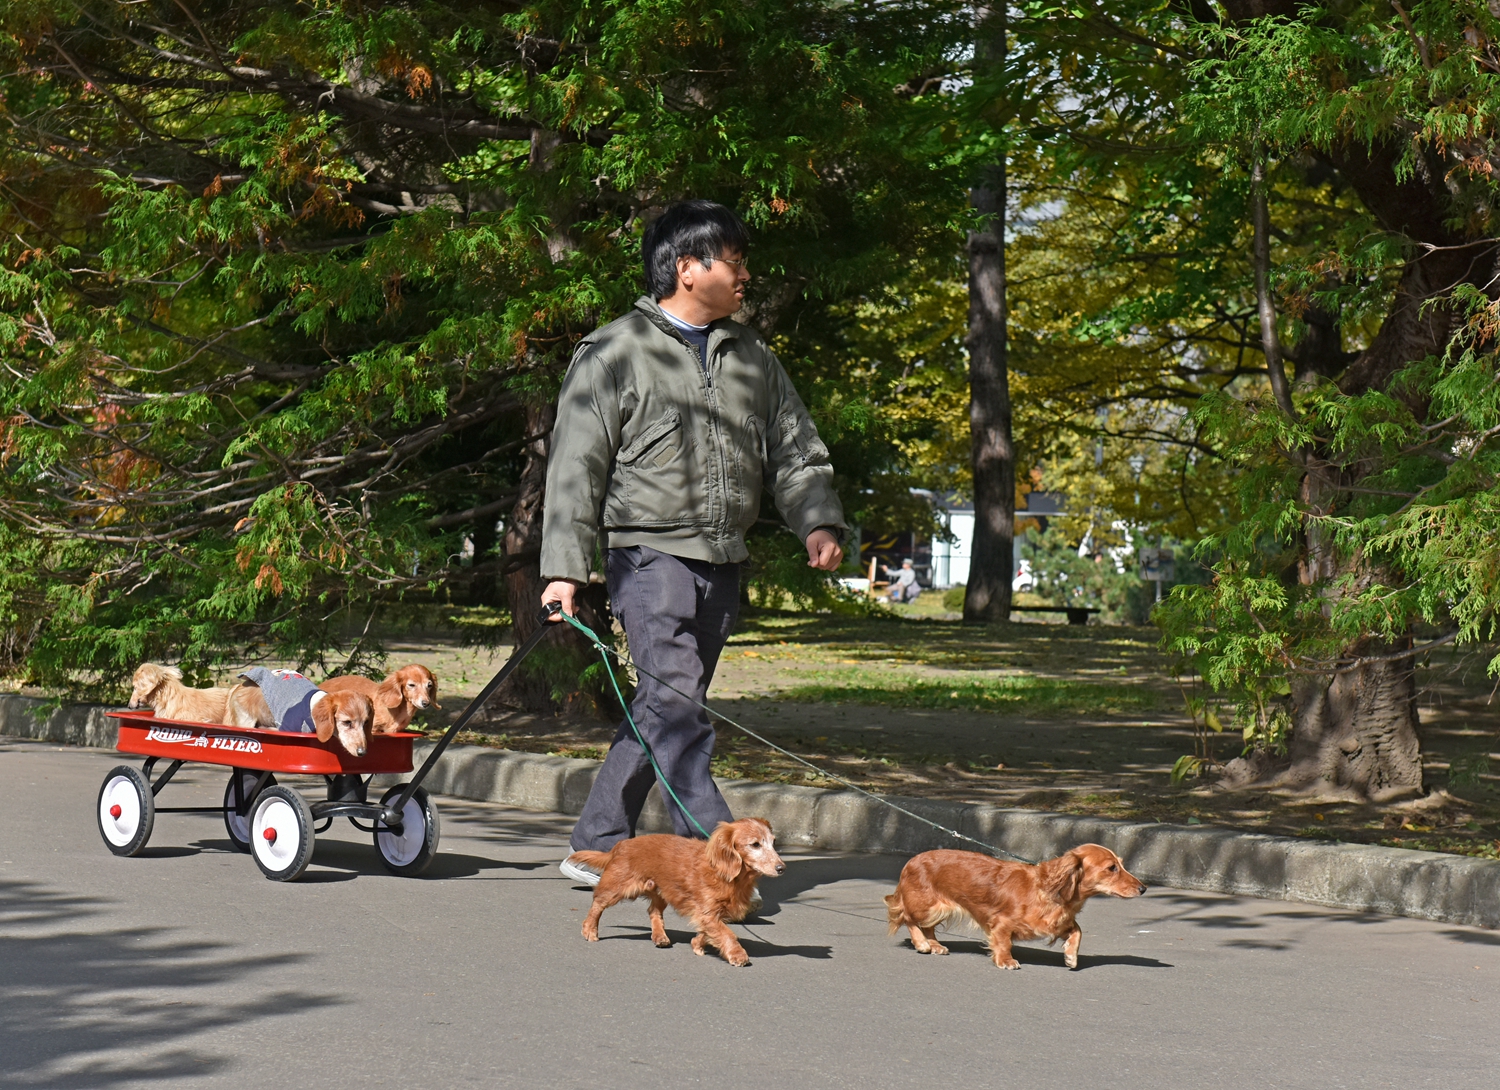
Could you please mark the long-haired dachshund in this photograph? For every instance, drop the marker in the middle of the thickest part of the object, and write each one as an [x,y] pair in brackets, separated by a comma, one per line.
[1009,901]
[709,884]
[346,715]
[162,688]
[400,696]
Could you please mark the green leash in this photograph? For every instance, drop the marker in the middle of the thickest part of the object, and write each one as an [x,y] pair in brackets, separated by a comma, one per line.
[661,777]
[605,651]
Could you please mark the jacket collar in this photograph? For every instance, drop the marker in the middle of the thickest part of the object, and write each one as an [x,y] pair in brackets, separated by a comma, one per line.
[721,330]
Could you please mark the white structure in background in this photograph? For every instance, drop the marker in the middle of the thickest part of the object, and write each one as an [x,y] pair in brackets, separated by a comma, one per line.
[950,559]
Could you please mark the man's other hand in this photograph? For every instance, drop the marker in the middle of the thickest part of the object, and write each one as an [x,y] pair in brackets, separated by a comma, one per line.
[561,591]
[823,551]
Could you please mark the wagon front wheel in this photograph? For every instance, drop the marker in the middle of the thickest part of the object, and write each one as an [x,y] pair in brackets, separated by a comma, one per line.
[408,853]
[281,834]
[235,824]
[126,811]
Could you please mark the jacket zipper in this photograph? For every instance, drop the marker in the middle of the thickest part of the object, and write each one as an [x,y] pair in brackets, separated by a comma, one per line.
[711,396]
[716,431]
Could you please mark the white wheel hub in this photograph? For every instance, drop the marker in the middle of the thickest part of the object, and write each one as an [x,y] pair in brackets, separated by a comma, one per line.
[402,849]
[119,811]
[275,834]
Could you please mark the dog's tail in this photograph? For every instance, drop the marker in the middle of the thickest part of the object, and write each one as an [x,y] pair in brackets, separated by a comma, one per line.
[597,860]
[895,911]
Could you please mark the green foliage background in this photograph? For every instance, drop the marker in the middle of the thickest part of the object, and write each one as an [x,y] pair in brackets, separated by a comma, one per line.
[279,281]
[281,278]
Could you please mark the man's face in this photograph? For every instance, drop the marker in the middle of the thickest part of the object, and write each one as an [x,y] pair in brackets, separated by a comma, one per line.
[720,288]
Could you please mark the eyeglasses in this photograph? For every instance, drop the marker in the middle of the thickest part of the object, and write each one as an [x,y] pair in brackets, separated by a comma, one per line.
[743,264]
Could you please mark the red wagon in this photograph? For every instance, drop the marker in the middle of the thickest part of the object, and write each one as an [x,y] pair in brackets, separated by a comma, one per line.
[275,824]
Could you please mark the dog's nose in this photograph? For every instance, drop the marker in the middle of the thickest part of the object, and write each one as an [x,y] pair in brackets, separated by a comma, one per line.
[780,868]
[1142,888]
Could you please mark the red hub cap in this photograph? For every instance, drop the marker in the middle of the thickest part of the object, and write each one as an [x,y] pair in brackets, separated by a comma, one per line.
[115,811]
[270,835]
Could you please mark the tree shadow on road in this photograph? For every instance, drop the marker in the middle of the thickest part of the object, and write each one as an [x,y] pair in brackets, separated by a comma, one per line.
[84,1007]
[806,873]
[1475,938]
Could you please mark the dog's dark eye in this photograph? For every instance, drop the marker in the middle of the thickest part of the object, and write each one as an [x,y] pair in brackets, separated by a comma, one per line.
[1113,867]
[755,843]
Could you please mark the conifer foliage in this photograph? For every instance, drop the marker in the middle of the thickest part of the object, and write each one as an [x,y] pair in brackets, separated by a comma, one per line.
[286,287]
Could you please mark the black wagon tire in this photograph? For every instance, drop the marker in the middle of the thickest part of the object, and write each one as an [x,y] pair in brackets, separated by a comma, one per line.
[126,810]
[238,827]
[281,834]
[408,854]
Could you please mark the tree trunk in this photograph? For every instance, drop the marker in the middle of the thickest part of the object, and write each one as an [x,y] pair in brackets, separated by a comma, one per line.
[1356,733]
[992,453]
[1355,730]
[563,655]
[528,688]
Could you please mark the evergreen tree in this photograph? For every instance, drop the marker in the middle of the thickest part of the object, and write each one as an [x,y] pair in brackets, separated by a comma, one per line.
[288,286]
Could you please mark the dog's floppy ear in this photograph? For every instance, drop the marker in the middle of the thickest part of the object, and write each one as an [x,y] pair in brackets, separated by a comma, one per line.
[391,692]
[1061,876]
[322,716]
[725,861]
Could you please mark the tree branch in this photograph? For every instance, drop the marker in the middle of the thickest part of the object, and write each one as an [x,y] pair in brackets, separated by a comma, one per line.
[1270,343]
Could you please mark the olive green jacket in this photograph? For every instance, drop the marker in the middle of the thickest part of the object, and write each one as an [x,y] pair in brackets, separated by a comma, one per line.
[655,450]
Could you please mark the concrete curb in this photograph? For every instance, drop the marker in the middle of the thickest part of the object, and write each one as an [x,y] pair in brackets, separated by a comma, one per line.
[1393,881]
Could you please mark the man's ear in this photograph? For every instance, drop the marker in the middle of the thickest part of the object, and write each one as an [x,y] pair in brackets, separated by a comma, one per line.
[322,716]
[725,861]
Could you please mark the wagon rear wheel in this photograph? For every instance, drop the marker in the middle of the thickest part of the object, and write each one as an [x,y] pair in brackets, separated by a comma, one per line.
[281,834]
[408,853]
[126,810]
[236,826]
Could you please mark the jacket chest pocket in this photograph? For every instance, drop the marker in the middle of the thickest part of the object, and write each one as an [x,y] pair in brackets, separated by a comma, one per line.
[656,481]
[656,446]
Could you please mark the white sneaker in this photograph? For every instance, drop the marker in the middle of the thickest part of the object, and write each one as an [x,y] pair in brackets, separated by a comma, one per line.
[579,872]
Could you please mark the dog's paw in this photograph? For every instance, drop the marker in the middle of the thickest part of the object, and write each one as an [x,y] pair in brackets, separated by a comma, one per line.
[738,958]
[591,933]
[1071,961]
[698,945]
[936,948]
[663,943]
[1008,963]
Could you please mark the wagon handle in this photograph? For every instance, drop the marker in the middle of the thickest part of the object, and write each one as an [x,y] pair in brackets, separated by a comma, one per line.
[391,815]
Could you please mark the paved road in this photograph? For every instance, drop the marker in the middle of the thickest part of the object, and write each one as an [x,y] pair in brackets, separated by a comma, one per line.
[184,967]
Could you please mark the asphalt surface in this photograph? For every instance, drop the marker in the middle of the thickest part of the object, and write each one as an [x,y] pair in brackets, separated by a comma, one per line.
[185,967]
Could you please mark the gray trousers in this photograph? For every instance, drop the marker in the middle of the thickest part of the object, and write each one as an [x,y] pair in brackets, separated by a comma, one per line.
[677,614]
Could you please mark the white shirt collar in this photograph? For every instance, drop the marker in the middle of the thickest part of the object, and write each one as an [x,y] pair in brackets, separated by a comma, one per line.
[680,324]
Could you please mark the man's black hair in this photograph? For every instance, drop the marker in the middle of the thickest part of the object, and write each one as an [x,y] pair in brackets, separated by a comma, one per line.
[700,229]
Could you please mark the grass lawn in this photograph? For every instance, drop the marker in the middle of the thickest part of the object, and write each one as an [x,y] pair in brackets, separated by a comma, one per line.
[1084,719]
[1079,719]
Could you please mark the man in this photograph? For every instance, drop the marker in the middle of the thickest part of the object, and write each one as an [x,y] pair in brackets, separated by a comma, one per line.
[904,587]
[670,422]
